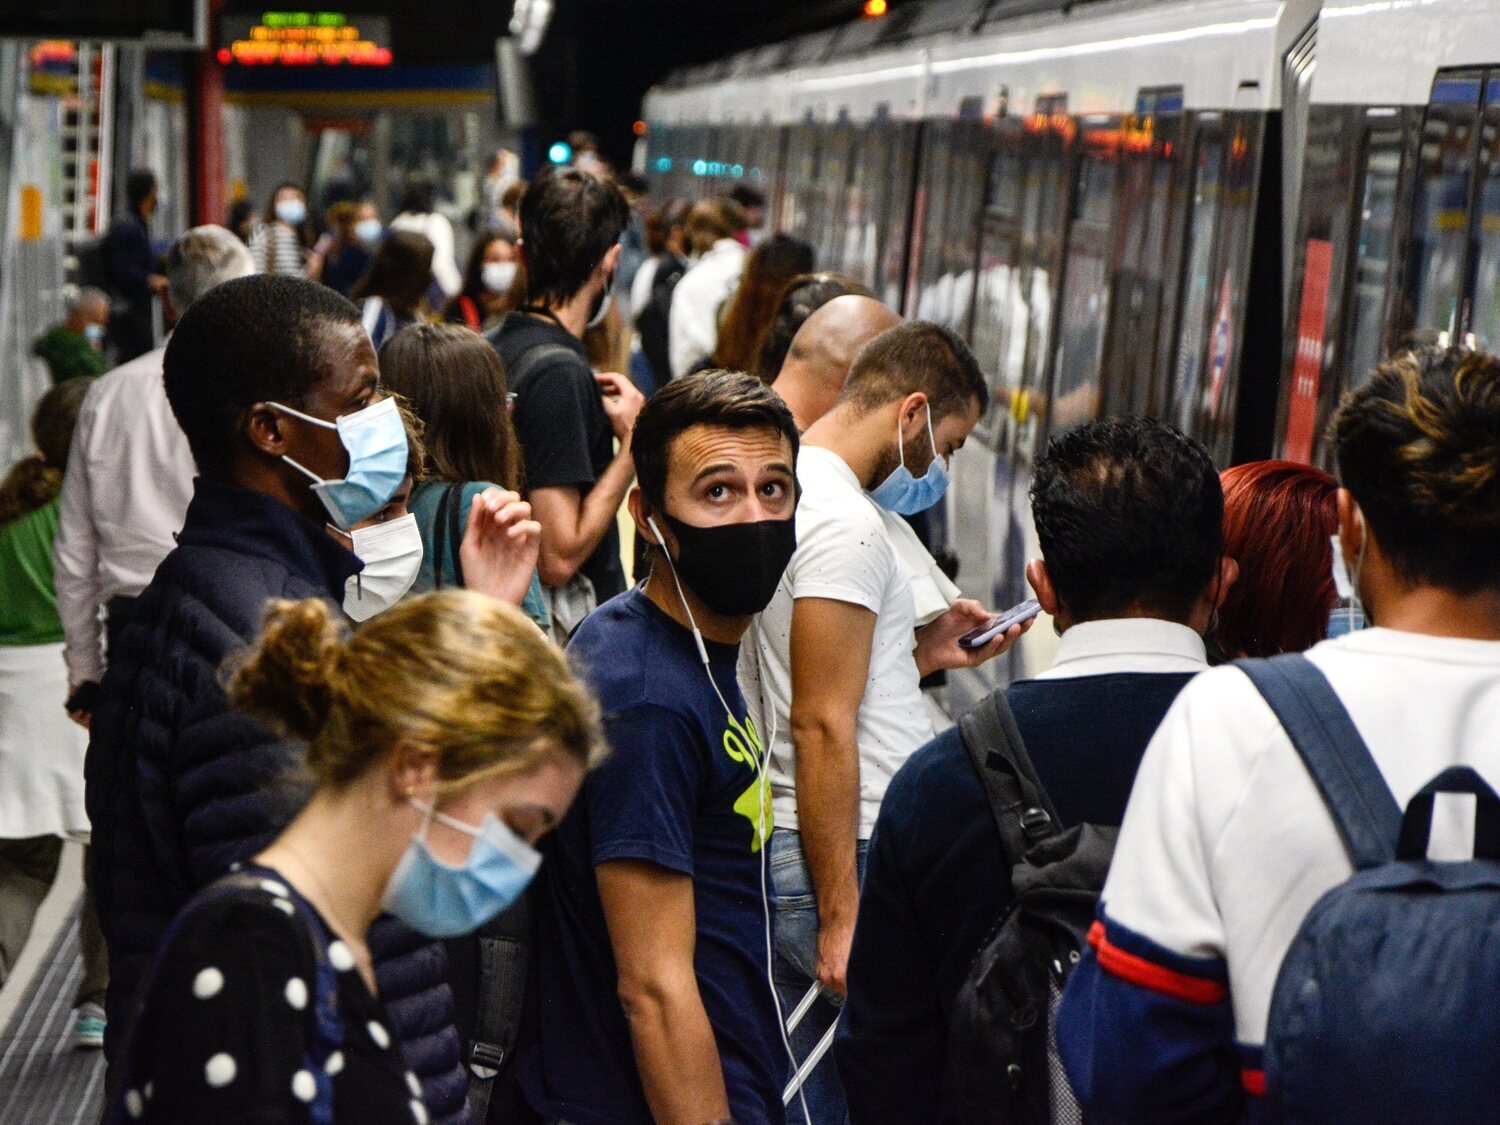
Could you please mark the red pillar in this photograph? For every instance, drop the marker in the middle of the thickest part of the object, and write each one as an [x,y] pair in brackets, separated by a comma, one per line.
[206,127]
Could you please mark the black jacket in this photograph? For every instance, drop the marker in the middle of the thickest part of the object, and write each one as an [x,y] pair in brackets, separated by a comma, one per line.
[179,787]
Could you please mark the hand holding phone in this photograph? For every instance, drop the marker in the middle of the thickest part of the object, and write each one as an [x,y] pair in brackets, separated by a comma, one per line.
[1016,615]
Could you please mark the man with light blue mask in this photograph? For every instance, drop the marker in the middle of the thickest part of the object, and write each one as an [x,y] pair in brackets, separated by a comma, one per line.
[276,387]
[834,662]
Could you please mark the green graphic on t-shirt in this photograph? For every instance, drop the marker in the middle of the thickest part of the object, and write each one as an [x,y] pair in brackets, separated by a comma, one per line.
[742,744]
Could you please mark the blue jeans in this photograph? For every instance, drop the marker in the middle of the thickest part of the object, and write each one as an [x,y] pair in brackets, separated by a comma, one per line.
[795,967]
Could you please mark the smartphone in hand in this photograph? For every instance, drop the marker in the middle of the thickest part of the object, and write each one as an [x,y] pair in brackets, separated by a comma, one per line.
[1015,615]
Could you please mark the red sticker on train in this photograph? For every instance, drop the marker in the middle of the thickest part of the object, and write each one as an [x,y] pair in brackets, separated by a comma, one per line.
[1307,367]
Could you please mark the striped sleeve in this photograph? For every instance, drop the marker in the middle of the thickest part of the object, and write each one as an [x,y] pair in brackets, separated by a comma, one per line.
[1146,1028]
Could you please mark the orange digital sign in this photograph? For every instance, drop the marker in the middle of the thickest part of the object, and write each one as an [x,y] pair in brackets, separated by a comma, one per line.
[306,39]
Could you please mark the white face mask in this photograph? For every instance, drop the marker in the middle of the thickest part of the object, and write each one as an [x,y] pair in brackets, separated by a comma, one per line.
[497,276]
[392,554]
[1346,585]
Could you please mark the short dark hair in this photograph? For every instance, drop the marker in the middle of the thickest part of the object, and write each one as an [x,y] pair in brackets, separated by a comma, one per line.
[569,220]
[1418,447]
[916,356]
[727,399]
[138,185]
[1129,513]
[253,339]
[747,196]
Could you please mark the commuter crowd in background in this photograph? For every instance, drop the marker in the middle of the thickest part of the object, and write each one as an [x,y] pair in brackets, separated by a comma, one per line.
[501,689]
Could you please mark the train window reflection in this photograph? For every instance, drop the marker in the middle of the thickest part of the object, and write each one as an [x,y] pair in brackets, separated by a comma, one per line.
[1198,287]
[1440,228]
[1371,269]
[1485,323]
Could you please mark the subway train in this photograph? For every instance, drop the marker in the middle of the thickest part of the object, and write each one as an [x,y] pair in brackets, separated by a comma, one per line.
[1217,212]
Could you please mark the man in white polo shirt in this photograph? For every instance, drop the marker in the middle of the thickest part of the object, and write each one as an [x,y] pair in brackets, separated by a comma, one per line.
[1227,843]
[832,673]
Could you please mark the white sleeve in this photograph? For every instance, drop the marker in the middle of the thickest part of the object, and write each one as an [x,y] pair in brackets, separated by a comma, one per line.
[75,562]
[1160,884]
[640,288]
[444,264]
[692,332]
[842,561]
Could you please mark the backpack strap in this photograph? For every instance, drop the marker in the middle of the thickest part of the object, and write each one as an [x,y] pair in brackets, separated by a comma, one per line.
[1024,814]
[534,359]
[504,963]
[1361,803]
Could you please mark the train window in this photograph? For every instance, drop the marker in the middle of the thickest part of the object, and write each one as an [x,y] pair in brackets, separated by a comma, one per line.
[1484,323]
[1086,282]
[1374,225]
[927,296]
[896,211]
[1440,224]
[1198,284]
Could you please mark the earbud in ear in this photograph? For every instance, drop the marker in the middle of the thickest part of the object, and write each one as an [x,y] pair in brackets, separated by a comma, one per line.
[651,523]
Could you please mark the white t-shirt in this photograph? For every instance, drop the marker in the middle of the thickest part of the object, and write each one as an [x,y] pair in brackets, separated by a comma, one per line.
[844,553]
[1226,843]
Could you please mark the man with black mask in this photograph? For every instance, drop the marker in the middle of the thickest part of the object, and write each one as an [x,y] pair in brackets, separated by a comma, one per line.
[652,922]
[568,418]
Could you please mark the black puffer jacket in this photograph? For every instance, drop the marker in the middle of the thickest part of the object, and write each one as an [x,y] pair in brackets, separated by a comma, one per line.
[179,787]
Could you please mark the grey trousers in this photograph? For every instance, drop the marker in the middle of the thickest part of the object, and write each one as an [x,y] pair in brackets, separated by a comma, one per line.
[28,868]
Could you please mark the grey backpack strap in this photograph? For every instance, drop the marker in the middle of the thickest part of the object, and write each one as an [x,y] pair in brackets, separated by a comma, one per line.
[504,963]
[1024,814]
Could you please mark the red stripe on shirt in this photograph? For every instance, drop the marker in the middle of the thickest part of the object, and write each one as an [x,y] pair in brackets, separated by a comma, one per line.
[1148,974]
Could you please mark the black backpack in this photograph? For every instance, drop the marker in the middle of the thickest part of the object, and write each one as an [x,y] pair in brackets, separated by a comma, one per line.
[1002,1052]
[651,321]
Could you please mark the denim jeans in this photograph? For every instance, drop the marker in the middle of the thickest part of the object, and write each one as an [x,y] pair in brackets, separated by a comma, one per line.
[795,968]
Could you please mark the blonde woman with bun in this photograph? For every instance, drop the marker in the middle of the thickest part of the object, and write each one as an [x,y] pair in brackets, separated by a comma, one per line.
[445,738]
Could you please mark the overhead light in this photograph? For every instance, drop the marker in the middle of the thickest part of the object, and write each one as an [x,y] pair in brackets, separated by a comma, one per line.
[874,9]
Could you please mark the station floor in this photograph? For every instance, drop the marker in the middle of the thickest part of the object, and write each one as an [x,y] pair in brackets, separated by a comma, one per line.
[43,1079]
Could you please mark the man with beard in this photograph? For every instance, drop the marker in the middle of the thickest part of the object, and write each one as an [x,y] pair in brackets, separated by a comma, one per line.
[566,417]
[833,666]
[652,935]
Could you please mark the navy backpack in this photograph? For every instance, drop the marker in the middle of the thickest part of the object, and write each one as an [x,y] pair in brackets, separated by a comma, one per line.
[1387,1006]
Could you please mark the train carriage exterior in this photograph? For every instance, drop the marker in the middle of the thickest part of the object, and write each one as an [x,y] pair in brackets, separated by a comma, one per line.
[1219,213]
[1079,194]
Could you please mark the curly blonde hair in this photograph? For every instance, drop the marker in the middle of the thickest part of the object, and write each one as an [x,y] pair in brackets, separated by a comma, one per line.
[461,673]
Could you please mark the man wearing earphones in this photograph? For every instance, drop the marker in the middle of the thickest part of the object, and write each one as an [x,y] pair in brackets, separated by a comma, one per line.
[653,936]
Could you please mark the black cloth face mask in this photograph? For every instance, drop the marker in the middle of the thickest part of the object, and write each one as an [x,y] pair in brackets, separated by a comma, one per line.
[733,567]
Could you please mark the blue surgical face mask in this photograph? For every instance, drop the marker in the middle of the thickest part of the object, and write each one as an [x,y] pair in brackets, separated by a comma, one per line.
[293,212]
[376,440]
[94,333]
[441,901]
[905,494]
[368,231]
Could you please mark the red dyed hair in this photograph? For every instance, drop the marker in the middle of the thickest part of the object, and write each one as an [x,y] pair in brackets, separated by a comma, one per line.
[1278,516]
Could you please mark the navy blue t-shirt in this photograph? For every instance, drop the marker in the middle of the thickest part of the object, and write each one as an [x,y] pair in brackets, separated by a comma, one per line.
[680,790]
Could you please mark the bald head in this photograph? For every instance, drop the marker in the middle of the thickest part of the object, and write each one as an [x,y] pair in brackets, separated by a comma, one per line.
[823,350]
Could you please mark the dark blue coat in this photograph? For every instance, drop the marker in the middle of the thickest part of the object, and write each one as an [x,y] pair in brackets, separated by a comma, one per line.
[179,787]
